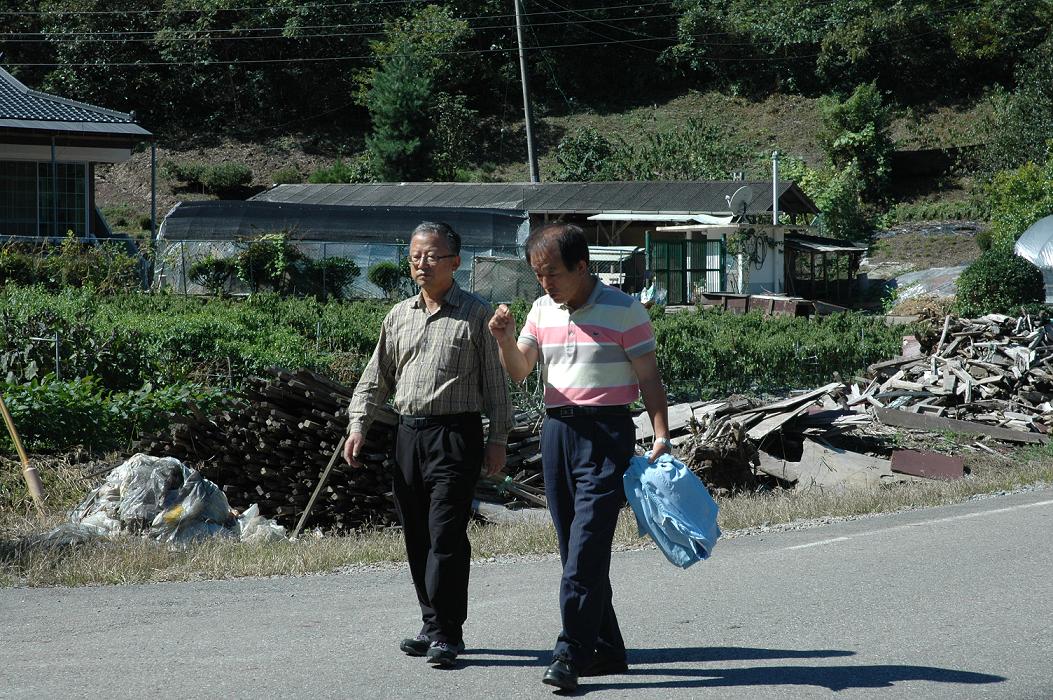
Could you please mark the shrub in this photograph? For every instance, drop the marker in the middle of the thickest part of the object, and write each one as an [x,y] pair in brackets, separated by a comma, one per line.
[998,282]
[212,273]
[359,169]
[698,150]
[856,131]
[225,177]
[583,156]
[207,177]
[837,193]
[711,353]
[325,278]
[107,267]
[392,278]
[1018,198]
[289,175]
[264,263]
[56,415]
[984,240]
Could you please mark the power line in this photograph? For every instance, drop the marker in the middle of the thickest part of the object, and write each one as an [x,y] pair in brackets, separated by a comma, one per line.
[203,34]
[320,59]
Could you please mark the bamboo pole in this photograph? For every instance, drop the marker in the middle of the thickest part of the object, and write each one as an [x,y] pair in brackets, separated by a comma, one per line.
[29,473]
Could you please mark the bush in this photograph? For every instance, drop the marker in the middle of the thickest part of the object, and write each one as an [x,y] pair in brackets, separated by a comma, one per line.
[126,340]
[207,177]
[264,263]
[998,282]
[325,278]
[712,354]
[856,132]
[359,169]
[392,278]
[56,415]
[106,267]
[698,150]
[289,175]
[837,193]
[1018,198]
[212,273]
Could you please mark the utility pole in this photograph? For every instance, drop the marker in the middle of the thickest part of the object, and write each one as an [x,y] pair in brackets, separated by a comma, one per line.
[523,76]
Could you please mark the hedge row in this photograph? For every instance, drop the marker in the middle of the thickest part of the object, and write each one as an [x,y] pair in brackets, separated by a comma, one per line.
[126,340]
[54,415]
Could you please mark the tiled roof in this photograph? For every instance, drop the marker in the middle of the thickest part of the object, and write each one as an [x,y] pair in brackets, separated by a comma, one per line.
[21,107]
[549,197]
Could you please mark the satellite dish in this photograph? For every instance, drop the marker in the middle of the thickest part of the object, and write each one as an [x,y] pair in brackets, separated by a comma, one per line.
[738,201]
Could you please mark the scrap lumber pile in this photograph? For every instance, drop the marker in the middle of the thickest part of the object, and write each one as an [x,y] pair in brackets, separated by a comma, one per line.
[270,445]
[995,370]
[991,377]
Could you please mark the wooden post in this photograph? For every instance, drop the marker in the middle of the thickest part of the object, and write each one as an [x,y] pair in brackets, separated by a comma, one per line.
[29,473]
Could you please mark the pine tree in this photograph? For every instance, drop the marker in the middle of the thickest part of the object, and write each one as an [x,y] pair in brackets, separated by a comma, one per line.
[399,106]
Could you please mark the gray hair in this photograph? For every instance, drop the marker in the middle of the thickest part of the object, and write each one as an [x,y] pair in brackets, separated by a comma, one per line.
[432,228]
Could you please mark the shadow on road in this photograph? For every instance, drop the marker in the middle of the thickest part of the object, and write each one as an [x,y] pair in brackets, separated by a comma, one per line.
[533,657]
[831,677]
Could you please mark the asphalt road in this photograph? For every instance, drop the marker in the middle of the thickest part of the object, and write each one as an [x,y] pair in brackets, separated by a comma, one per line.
[954,602]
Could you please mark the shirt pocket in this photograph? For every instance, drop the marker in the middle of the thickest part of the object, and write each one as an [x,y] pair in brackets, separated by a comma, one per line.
[455,356]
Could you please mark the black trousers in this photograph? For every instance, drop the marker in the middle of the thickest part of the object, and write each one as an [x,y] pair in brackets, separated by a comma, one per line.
[438,466]
[584,459]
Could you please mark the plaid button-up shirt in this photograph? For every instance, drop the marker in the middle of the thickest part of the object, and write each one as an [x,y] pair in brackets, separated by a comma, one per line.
[436,364]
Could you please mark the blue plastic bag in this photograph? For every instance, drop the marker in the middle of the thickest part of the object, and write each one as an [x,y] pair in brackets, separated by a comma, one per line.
[672,505]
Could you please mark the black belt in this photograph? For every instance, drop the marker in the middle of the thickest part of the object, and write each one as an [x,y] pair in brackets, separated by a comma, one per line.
[426,421]
[588,411]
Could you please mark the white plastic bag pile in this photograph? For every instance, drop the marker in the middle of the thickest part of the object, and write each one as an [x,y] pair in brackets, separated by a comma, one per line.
[162,498]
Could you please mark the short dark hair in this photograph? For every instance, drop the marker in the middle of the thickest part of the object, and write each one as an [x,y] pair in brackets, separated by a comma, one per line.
[569,239]
[438,228]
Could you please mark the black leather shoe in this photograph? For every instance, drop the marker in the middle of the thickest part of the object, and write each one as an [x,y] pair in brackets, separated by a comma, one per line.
[604,666]
[562,675]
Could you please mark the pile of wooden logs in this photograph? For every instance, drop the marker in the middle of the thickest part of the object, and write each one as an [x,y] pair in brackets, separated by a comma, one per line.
[995,370]
[269,446]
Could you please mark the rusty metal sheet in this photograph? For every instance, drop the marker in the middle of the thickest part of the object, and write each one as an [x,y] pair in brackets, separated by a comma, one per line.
[930,465]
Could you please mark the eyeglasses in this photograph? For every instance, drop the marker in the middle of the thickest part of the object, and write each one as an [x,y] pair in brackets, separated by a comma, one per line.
[430,258]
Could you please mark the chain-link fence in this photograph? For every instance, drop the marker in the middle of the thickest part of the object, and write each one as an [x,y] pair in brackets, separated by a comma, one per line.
[179,267]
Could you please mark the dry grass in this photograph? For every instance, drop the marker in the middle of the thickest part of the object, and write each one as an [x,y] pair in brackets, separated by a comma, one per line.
[26,562]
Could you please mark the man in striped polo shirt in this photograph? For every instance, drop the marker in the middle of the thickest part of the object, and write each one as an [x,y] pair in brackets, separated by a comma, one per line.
[597,353]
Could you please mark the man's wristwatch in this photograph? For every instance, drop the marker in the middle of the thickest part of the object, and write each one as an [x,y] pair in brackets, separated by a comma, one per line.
[664,441]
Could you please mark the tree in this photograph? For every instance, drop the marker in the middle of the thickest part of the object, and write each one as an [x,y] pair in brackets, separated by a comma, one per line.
[408,98]
[856,130]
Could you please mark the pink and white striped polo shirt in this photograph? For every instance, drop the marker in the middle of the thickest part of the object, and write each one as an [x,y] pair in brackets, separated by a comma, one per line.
[585,354]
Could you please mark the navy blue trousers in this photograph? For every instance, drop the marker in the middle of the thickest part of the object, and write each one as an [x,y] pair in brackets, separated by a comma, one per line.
[438,466]
[583,459]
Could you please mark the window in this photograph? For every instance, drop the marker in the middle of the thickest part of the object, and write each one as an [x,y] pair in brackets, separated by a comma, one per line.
[31,201]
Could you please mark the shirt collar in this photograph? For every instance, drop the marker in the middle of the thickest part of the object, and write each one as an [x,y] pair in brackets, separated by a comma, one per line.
[593,295]
[454,295]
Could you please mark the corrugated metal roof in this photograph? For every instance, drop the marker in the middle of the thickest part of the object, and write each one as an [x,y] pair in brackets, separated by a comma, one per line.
[22,108]
[820,244]
[549,197]
[232,219]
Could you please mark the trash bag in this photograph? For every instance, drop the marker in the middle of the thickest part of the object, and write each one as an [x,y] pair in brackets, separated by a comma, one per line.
[161,498]
[253,527]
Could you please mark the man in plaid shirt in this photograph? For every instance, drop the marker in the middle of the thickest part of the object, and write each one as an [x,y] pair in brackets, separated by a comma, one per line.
[438,362]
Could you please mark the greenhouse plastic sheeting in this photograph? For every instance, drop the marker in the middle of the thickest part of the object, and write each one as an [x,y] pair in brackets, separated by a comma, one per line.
[1036,244]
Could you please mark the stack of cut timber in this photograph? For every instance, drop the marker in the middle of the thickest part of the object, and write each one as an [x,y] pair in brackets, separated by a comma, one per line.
[270,445]
[995,370]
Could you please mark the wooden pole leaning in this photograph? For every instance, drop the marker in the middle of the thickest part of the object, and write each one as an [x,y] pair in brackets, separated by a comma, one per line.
[318,489]
[29,472]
